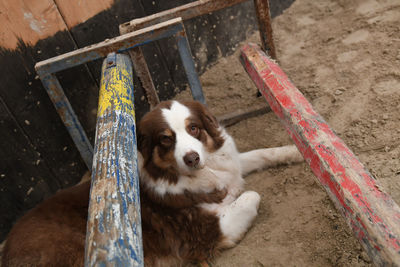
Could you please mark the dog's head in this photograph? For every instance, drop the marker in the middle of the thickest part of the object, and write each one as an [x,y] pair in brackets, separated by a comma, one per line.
[176,137]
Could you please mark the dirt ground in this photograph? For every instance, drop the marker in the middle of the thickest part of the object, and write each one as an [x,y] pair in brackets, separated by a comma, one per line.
[344,55]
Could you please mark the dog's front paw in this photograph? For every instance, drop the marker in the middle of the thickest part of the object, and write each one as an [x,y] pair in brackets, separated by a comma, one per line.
[249,200]
[238,217]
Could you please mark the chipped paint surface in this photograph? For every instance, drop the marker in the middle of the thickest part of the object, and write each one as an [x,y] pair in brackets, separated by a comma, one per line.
[371,213]
[112,93]
[36,25]
[114,235]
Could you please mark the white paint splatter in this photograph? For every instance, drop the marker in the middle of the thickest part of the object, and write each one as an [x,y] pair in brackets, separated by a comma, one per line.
[34,24]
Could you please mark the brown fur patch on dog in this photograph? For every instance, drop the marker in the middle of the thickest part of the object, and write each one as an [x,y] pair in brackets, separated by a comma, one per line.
[158,157]
[51,234]
[185,200]
[209,133]
[187,234]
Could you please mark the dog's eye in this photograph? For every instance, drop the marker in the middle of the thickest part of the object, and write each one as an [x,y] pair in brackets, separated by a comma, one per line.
[194,130]
[166,140]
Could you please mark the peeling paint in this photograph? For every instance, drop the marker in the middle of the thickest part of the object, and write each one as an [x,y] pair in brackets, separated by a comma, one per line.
[36,25]
[371,213]
[31,21]
[114,223]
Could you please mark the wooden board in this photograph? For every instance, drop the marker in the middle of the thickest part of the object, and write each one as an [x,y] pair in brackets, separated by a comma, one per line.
[24,176]
[114,233]
[204,47]
[241,21]
[32,112]
[372,214]
[27,22]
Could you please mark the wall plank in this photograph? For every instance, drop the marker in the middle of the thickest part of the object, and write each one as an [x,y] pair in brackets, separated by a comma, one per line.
[28,21]
[30,111]
[22,172]
[76,12]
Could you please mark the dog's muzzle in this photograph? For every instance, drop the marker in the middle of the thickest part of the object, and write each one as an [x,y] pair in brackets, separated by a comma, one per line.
[192,159]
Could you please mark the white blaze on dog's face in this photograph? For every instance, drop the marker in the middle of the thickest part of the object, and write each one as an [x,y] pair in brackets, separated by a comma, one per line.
[189,150]
[175,138]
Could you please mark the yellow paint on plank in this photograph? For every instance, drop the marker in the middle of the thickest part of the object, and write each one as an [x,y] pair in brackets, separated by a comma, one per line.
[115,89]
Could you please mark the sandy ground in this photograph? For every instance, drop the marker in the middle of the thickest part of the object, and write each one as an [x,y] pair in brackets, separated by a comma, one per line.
[344,55]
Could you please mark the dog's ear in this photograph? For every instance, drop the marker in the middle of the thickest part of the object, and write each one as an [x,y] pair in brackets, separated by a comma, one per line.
[211,125]
[209,121]
[144,144]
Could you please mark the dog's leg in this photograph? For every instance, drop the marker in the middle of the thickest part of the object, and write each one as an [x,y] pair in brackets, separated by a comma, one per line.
[268,157]
[236,218]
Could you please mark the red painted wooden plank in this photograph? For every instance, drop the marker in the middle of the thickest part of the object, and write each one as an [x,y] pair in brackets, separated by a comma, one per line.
[371,213]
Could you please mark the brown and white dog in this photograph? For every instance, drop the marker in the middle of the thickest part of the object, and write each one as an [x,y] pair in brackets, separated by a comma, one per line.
[192,199]
[192,184]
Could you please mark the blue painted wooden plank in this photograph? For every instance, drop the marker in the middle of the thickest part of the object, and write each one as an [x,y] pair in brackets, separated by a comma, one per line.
[68,116]
[114,234]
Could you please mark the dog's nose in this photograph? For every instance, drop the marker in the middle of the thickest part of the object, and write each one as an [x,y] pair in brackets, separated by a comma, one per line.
[191,159]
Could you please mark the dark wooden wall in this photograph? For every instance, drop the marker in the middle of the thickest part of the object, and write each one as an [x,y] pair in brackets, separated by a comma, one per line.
[37,156]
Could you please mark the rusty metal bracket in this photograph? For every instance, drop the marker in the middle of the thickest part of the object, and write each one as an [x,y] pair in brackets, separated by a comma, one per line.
[46,70]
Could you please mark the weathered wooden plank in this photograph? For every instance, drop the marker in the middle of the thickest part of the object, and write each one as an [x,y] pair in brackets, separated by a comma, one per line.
[187,11]
[23,92]
[99,50]
[114,232]
[22,172]
[372,214]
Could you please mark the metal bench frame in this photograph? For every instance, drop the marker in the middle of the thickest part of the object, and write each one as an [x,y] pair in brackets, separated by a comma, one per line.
[47,70]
